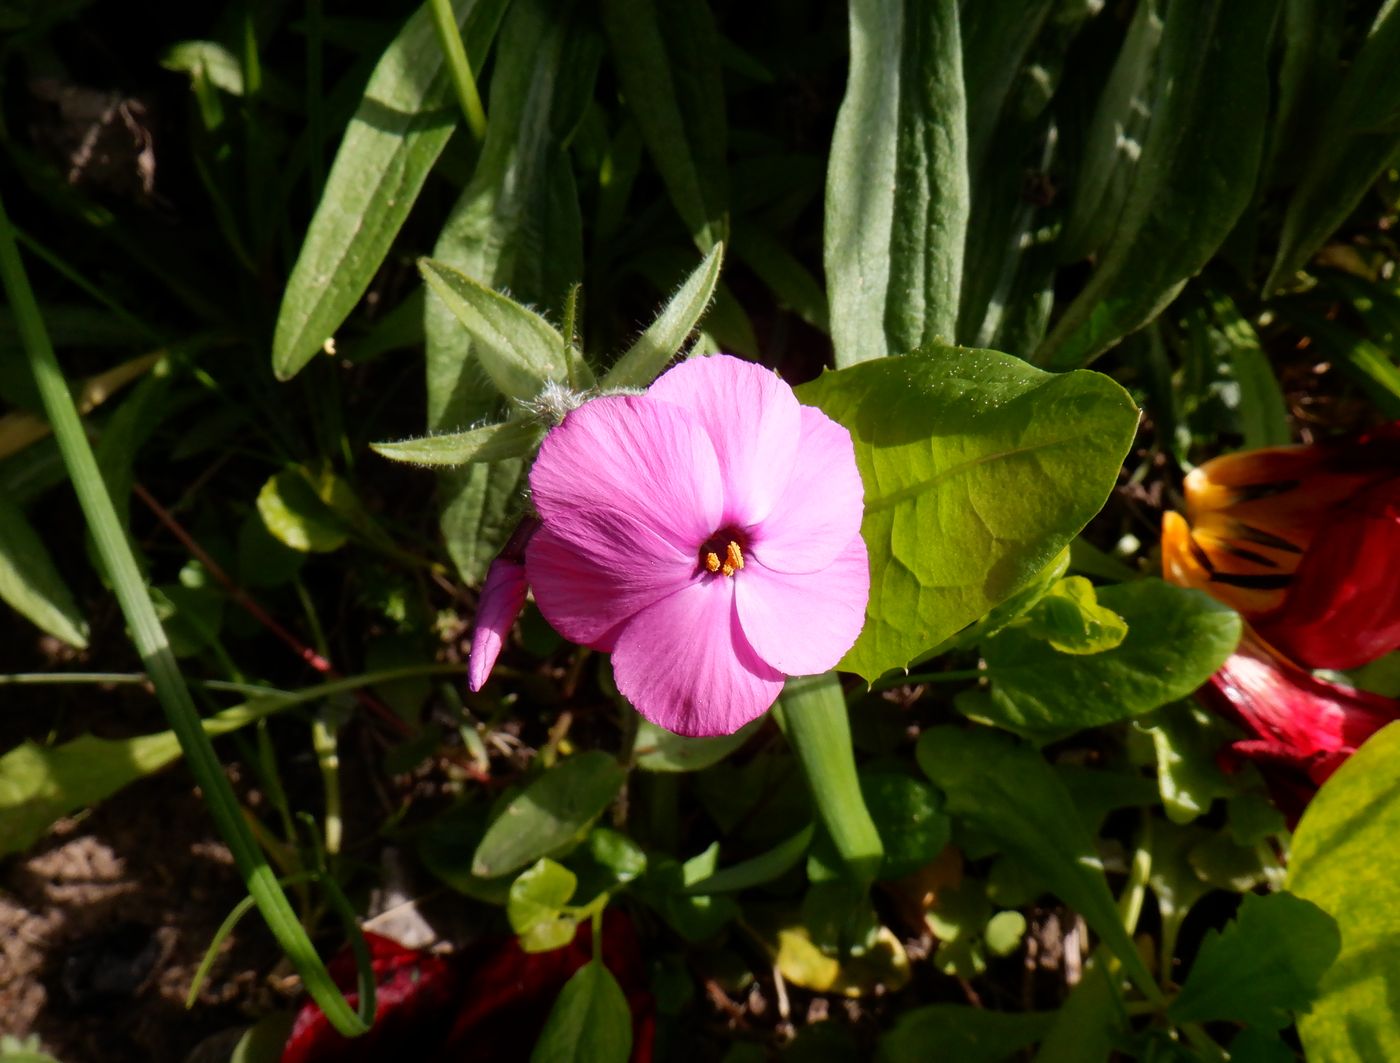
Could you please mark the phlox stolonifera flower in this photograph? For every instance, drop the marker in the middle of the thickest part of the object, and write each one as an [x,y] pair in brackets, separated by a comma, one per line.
[705,533]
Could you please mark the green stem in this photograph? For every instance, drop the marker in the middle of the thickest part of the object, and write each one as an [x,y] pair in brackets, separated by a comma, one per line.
[459,66]
[151,643]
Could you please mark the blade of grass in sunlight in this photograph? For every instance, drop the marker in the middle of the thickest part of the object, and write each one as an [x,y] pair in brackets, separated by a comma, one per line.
[151,643]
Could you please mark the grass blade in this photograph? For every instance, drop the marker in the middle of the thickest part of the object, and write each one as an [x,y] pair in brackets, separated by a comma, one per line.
[153,647]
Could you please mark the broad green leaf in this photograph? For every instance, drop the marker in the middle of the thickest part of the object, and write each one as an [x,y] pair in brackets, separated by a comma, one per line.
[1186,740]
[551,814]
[590,1021]
[401,126]
[695,917]
[1345,861]
[897,187]
[1005,932]
[640,364]
[1071,619]
[1176,640]
[1263,967]
[519,350]
[757,870]
[533,906]
[1309,72]
[516,227]
[40,784]
[667,59]
[657,749]
[909,817]
[961,1032]
[1006,792]
[30,582]
[882,968]
[812,713]
[605,863]
[1196,175]
[965,507]
[511,439]
[297,508]
[1357,142]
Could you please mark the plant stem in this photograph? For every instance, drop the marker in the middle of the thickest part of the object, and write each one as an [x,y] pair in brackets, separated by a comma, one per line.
[463,81]
[109,538]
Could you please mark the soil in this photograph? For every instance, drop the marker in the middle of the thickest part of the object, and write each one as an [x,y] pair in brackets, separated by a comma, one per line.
[104,923]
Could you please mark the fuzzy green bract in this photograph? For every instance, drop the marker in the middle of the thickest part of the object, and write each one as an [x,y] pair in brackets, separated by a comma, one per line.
[978,470]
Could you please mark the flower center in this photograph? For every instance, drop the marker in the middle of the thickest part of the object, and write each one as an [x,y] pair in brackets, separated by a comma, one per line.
[721,554]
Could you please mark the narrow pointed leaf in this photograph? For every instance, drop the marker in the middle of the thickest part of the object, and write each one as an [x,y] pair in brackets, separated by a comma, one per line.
[30,582]
[516,228]
[1358,141]
[666,54]
[519,350]
[514,439]
[897,185]
[641,363]
[402,124]
[1196,175]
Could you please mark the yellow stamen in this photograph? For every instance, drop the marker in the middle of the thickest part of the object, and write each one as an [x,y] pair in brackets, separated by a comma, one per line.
[712,562]
[734,559]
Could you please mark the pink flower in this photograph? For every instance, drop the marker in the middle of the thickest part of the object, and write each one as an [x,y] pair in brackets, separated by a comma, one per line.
[502,598]
[707,534]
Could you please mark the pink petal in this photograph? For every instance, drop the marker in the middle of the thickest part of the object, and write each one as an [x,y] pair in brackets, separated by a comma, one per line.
[585,599]
[804,624]
[685,665]
[502,598]
[622,463]
[751,416]
[820,510]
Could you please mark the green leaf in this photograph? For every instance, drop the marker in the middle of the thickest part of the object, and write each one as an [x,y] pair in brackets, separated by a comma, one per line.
[812,713]
[1186,739]
[757,870]
[536,896]
[398,131]
[963,1033]
[897,186]
[965,508]
[294,506]
[1090,1021]
[1344,860]
[791,282]
[1264,966]
[551,815]
[1005,791]
[1071,619]
[1262,409]
[1176,640]
[1196,175]
[1114,141]
[657,749]
[605,863]
[30,582]
[517,228]
[1004,933]
[694,917]
[511,439]
[667,58]
[640,364]
[519,350]
[1357,142]
[909,817]
[590,1021]
[119,562]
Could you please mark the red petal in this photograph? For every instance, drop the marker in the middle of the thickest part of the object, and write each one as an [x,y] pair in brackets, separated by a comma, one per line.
[1343,609]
